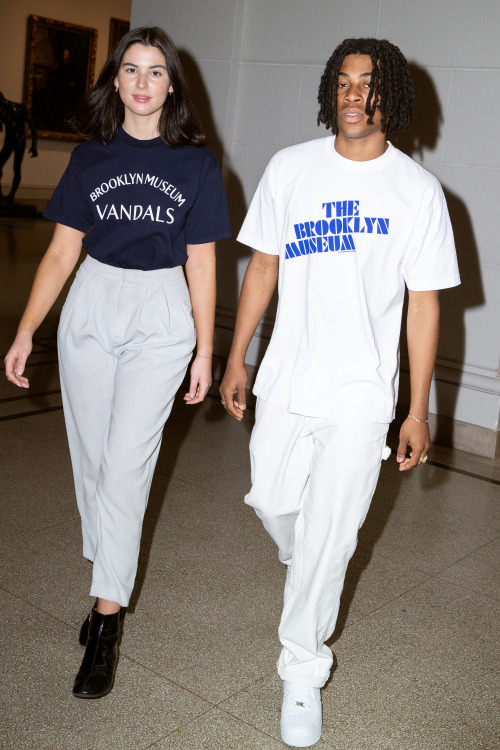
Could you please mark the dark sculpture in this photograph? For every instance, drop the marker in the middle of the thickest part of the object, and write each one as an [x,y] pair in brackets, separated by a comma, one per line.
[15,117]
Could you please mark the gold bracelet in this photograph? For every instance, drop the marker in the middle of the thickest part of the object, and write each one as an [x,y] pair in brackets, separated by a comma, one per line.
[416,419]
[205,356]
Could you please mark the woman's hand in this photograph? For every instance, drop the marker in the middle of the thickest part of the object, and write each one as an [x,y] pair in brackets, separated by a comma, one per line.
[200,272]
[15,360]
[201,379]
[54,270]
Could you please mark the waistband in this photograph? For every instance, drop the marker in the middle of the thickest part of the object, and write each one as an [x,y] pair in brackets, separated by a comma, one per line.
[133,275]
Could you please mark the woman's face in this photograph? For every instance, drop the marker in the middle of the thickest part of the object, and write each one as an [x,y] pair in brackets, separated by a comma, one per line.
[143,82]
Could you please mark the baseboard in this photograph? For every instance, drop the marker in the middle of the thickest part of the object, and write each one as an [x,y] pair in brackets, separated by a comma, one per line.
[464,436]
[37,196]
[451,433]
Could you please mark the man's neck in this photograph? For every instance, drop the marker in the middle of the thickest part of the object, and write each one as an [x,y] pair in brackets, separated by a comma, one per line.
[361,149]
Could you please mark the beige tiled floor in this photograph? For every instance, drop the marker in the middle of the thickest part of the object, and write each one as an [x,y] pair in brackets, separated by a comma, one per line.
[417,638]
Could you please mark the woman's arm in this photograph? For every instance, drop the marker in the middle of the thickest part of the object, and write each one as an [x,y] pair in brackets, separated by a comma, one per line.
[422,333]
[200,272]
[54,270]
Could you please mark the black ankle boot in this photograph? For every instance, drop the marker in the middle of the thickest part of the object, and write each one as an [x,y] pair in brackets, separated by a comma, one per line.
[97,671]
[84,630]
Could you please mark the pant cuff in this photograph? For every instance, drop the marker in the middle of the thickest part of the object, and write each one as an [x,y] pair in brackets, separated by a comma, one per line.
[298,677]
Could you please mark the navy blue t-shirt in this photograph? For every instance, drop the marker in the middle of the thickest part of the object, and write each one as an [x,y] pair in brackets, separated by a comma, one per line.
[140,202]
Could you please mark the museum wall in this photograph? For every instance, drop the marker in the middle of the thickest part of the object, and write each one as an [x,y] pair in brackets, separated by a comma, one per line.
[255,66]
[40,175]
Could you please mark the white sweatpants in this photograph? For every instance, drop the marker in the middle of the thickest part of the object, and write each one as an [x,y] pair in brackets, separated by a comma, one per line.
[125,339]
[312,483]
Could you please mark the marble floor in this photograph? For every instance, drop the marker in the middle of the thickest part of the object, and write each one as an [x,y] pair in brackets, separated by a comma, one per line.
[416,644]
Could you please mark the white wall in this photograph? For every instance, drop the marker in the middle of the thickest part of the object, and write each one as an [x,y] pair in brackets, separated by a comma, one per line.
[259,64]
[254,66]
[41,175]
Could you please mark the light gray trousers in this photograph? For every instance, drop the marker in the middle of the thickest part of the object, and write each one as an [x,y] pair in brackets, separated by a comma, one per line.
[125,339]
[312,484]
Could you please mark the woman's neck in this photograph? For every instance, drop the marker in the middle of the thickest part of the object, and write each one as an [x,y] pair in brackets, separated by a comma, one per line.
[142,128]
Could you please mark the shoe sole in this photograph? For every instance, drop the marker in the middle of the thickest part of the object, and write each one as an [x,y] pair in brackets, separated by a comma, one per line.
[92,697]
[87,696]
[292,742]
[95,697]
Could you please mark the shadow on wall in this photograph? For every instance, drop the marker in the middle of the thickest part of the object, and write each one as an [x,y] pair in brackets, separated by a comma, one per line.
[424,130]
[229,252]
[421,138]
[423,134]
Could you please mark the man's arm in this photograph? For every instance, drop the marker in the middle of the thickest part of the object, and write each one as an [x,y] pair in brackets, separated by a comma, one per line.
[258,287]
[422,335]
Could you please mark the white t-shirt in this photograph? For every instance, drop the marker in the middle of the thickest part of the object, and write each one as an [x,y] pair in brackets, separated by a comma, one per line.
[349,235]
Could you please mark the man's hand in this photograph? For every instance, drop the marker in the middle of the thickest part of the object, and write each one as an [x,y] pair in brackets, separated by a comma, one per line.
[256,292]
[234,382]
[413,437]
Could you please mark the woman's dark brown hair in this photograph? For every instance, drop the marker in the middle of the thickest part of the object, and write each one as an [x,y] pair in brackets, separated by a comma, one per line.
[103,112]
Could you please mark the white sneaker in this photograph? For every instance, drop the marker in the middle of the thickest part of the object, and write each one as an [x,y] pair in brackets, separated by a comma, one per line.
[300,715]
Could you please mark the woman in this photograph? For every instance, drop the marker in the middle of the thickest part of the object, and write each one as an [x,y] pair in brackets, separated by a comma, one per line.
[145,198]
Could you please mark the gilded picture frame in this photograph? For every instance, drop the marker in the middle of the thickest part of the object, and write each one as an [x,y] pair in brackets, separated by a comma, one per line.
[117,29]
[59,72]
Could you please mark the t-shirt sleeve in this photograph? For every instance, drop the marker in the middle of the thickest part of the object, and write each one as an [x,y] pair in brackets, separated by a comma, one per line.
[430,261]
[68,205]
[208,218]
[259,227]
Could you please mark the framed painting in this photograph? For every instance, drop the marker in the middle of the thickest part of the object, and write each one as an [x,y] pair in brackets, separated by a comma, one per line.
[117,29]
[59,72]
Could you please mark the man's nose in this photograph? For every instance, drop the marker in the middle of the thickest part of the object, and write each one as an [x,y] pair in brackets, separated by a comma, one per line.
[353,94]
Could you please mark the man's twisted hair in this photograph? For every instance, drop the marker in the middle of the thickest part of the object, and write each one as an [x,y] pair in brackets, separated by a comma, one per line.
[391,91]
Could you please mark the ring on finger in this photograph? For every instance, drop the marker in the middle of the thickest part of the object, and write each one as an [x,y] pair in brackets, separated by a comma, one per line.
[422,459]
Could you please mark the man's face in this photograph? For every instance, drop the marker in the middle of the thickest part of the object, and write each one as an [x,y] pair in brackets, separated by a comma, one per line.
[352,94]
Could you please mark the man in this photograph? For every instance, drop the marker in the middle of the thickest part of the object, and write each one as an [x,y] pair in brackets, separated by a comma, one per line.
[342,224]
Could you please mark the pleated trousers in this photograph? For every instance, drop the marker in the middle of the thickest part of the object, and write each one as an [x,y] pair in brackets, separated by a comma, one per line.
[125,339]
